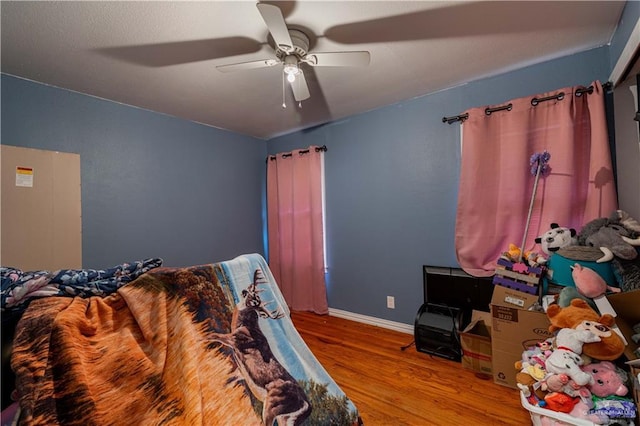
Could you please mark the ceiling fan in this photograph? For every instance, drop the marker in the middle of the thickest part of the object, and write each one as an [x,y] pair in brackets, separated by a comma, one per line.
[292,51]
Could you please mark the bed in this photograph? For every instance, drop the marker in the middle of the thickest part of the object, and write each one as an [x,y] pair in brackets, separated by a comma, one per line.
[146,344]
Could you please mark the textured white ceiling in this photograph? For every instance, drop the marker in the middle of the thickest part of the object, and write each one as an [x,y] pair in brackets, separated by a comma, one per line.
[161,56]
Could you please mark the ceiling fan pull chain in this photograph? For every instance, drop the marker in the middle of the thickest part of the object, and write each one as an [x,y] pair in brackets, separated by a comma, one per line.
[284,105]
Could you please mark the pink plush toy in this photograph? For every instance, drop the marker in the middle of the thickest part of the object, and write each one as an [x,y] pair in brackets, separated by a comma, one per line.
[606,379]
[589,283]
[555,382]
[563,383]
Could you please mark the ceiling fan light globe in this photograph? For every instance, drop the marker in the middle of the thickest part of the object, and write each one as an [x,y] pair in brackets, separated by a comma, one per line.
[290,64]
[291,69]
[291,77]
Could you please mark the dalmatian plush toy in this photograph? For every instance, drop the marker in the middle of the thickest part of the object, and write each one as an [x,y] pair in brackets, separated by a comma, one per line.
[556,238]
[566,358]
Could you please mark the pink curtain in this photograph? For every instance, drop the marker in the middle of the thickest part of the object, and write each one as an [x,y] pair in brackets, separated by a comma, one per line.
[496,183]
[294,221]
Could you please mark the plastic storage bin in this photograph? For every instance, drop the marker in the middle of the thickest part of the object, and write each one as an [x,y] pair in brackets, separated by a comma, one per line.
[538,413]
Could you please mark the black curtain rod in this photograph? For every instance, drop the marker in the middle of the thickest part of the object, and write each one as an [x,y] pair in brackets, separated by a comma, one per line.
[455,118]
[534,102]
[508,107]
[322,148]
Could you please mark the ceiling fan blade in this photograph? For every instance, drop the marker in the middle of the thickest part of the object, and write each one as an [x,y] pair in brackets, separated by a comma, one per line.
[272,16]
[241,66]
[300,88]
[338,59]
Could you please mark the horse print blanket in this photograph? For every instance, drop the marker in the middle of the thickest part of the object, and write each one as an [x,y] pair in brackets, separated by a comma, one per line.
[203,345]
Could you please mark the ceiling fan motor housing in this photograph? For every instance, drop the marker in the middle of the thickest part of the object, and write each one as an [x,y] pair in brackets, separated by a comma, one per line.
[300,45]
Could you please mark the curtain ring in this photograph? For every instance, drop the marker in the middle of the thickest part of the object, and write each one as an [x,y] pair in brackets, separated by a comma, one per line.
[508,107]
[558,97]
[580,92]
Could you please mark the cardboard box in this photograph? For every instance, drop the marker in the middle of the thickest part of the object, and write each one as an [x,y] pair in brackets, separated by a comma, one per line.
[626,308]
[475,340]
[514,328]
[41,209]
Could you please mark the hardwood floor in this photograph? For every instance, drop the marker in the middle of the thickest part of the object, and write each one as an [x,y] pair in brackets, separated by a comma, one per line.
[394,387]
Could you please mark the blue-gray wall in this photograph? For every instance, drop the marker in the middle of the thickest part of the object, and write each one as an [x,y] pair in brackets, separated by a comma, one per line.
[152,185]
[155,185]
[392,184]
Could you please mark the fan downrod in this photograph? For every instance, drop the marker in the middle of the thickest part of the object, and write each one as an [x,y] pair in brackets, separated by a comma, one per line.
[300,45]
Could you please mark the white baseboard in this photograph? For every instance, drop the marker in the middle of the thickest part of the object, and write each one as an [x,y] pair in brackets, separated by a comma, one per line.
[392,325]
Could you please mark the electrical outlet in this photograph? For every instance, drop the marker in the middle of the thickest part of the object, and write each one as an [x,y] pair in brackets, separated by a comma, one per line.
[391,302]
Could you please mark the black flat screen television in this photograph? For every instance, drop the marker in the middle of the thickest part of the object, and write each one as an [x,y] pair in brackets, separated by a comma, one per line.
[454,287]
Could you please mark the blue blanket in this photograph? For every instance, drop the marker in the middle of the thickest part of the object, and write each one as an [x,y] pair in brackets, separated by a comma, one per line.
[19,287]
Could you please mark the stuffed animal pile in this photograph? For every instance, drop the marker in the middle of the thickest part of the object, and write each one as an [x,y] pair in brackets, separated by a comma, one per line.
[578,371]
[608,242]
[573,373]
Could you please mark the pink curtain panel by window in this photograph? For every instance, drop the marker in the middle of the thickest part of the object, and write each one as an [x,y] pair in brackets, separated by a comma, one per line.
[294,209]
[496,183]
